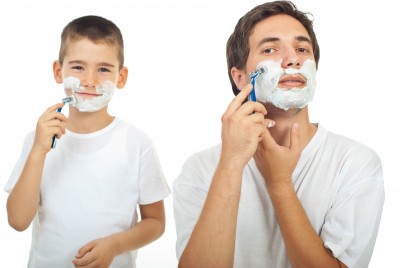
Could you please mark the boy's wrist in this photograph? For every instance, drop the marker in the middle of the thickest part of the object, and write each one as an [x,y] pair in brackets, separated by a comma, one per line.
[38,152]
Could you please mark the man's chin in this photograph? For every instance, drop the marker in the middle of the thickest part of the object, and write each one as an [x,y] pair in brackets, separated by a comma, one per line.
[276,111]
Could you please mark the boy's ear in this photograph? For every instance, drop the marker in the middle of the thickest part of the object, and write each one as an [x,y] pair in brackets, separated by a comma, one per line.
[122,77]
[239,77]
[57,72]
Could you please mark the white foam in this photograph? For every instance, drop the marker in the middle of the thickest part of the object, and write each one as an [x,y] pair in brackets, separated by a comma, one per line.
[267,90]
[106,89]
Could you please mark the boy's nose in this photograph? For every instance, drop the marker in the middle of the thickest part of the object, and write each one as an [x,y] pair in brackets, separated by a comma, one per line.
[89,80]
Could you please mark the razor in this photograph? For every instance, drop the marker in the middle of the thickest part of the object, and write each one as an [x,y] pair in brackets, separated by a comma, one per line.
[253,77]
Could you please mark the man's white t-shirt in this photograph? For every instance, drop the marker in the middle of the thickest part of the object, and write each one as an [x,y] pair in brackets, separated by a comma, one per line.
[90,188]
[338,182]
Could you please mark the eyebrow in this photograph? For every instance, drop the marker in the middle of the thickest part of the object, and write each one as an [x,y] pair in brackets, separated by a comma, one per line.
[300,38]
[84,63]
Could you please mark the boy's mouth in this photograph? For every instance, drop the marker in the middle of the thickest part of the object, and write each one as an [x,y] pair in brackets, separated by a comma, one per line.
[87,94]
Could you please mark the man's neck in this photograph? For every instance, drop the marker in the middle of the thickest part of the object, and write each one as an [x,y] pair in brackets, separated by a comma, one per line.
[88,122]
[284,121]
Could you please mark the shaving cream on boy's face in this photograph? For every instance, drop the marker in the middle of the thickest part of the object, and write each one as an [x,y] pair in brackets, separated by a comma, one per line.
[89,103]
[267,90]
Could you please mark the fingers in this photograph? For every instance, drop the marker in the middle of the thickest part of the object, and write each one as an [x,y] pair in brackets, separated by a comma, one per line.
[238,100]
[83,250]
[55,107]
[50,123]
[83,258]
[295,138]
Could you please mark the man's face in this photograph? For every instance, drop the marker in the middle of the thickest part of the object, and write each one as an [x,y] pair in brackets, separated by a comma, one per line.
[279,38]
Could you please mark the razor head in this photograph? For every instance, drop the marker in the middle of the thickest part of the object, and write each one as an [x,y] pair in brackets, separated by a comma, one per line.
[261,70]
[70,99]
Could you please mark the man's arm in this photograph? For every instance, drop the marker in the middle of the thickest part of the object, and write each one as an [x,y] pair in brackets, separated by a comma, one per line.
[212,241]
[23,201]
[303,245]
[102,251]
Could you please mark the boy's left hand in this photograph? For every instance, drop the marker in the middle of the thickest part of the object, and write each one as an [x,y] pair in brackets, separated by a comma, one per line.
[97,253]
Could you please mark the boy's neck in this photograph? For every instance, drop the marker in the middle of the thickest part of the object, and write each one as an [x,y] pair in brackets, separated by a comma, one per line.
[85,122]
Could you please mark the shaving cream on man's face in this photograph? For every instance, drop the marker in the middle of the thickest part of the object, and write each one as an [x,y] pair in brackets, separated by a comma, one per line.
[91,103]
[267,90]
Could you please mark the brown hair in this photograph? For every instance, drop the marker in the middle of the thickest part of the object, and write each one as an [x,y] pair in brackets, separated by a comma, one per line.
[96,29]
[237,47]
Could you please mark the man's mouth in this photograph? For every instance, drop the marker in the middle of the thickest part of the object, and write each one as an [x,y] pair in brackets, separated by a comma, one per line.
[292,81]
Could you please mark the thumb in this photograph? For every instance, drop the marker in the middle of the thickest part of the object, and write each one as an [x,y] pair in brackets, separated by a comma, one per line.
[295,138]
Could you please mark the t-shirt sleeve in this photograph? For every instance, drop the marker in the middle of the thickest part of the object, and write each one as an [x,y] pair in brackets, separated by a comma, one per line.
[351,225]
[153,186]
[18,167]
[189,195]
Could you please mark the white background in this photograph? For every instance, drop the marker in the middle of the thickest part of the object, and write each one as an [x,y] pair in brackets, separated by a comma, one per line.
[178,87]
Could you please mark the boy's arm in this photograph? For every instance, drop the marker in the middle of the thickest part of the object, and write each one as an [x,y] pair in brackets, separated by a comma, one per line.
[102,251]
[23,201]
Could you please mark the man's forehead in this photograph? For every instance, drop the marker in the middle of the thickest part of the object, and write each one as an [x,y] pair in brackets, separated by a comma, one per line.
[278,26]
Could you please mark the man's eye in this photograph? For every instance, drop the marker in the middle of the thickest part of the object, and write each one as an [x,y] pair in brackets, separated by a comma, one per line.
[269,50]
[303,50]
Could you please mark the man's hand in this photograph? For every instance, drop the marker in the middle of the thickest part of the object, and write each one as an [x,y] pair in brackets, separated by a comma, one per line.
[97,253]
[49,124]
[277,163]
[243,127]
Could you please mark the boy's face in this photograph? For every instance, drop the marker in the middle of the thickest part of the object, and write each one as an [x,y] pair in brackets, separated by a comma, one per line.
[93,64]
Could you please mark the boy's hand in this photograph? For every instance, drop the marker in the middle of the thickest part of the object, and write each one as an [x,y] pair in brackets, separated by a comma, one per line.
[97,253]
[49,124]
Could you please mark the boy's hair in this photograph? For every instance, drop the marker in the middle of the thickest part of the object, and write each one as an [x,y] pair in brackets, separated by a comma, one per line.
[237,47]
[97,30]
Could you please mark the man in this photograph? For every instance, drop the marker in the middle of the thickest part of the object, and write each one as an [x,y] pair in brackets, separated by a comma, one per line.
[279,191]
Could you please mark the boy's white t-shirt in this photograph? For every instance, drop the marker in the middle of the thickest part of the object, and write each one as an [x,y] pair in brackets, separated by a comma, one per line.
[90,188]
[338,181]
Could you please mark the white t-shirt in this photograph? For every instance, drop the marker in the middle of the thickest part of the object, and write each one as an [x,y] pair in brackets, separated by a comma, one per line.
[90,188]
[340,186]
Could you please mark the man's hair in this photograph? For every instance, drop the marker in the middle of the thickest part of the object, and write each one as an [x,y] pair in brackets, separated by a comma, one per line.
[237,47]
[97,30]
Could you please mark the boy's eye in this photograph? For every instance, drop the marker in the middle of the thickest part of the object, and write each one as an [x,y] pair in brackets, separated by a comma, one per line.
[77,68]
[103,70]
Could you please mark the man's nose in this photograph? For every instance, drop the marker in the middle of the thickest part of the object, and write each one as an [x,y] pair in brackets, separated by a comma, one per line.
[290,59]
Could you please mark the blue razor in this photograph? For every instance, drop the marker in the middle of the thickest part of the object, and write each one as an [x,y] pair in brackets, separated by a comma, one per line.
[253,77]
[66,100]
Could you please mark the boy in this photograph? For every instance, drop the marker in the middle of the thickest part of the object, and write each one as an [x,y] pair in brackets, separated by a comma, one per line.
[82,195]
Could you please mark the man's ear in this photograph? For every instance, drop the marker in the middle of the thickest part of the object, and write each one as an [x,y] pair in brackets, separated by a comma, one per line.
[122,77]
[239,77]
[57,72]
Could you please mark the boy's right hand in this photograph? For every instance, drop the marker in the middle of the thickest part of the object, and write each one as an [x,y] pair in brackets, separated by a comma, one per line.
[49,124]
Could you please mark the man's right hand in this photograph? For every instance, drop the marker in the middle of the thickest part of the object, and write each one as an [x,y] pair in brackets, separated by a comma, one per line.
[243,127]
[50,123]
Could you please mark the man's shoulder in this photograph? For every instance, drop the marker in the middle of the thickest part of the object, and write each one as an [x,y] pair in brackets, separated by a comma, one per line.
[200,166]
[349,150]
[209,156]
